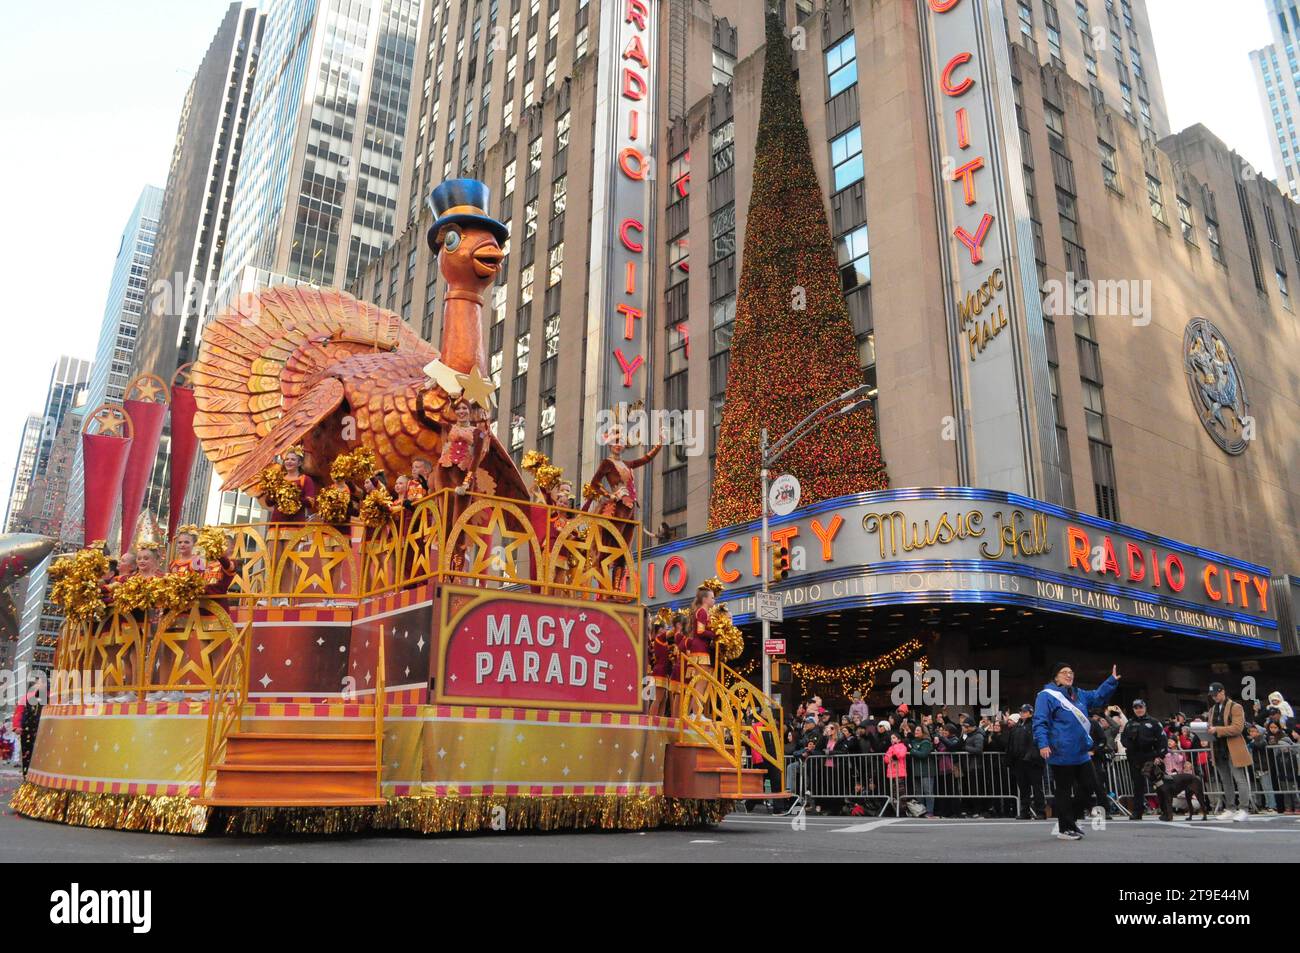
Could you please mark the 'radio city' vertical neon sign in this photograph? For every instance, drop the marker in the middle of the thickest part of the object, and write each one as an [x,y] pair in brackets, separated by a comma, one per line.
[956,88]
[634,124]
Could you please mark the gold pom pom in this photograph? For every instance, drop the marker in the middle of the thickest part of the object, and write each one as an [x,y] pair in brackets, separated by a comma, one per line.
[727,637]
[135,593]
[533,459]
[713,584]
[355,466]
[592,492]
[288,498]
[177,591]
[333,503]
[212,542]
[374,511]
[75,587]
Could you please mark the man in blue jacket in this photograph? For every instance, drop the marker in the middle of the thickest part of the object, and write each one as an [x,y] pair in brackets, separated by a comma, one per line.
[1062,733]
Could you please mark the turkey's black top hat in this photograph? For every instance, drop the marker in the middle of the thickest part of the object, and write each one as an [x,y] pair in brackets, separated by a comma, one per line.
[462,202]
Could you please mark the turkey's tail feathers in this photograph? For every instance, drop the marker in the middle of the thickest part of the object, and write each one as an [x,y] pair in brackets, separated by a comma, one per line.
[260,356]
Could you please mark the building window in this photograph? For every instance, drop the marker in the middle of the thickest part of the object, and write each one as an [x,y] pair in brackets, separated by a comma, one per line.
[679,253]
[1109,165]
[555,266]
[521,352]
[846,158]
[722,232]
[1156,199]
[1185,221]
[854,258]
[723,145]
[724,67]
[559,196]
[842,65]
[679,175]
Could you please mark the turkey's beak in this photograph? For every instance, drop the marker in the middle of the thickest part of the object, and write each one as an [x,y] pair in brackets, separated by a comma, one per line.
[487,259]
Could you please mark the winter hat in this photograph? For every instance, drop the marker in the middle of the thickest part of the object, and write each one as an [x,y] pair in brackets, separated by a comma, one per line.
[1056,669]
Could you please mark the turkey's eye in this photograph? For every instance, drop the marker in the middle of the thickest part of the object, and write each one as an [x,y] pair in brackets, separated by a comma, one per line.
[451,240]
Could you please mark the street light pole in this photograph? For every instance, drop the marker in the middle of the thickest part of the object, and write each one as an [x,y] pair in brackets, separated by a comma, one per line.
[768,454]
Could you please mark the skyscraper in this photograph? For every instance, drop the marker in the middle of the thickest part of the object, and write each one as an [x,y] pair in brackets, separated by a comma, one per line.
[321,166]
[1277,77]
[24,470]
[195,211]
[322,158]
[200,188]
[111,370]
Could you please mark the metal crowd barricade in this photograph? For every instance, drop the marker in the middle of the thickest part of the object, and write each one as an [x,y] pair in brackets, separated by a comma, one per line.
[955,782]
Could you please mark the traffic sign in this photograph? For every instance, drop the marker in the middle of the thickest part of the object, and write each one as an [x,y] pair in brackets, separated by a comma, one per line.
[768,606]
[774,647]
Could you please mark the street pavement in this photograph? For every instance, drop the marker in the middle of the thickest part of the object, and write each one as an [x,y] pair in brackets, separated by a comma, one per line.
[755,838]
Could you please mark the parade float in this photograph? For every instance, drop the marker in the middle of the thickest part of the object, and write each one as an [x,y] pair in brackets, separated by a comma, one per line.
[424,636]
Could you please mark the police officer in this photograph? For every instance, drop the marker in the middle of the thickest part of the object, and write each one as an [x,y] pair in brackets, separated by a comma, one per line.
[1144,740]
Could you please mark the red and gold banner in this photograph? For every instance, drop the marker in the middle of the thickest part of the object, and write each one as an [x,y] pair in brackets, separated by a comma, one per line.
[538,651]
[185,445]
[146,403]
[103,456]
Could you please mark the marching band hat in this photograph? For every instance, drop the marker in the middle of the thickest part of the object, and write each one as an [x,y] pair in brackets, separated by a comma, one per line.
[462,202]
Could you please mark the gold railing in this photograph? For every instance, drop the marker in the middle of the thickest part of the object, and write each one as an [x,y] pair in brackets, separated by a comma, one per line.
[226,703]
[729,714]
[143,653]
[487,541]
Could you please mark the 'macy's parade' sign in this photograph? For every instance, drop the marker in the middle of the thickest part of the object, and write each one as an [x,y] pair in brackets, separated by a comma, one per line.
[537,650]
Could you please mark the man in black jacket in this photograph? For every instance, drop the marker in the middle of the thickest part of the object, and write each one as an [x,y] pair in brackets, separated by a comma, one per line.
[1144,740]
[1028,765]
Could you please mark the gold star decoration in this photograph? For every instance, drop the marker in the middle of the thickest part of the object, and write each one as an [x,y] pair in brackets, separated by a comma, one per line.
[111,421]
[142,388]
[476,388]
[316,563]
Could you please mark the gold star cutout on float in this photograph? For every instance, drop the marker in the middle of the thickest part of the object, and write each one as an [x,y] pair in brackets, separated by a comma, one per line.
[476,388]
[316,563]
[144,389]
[110,421]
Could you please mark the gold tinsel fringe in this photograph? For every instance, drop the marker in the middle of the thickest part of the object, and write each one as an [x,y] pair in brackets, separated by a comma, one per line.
[444,815]
[124,812]
[424,815]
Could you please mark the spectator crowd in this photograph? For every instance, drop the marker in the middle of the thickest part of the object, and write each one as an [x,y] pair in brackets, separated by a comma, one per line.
[942,762]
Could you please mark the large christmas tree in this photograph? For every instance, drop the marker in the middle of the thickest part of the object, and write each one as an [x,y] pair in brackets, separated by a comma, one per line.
[786,360]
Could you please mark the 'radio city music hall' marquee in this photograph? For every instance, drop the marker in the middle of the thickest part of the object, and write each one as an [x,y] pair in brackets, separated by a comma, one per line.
[621,275]
[997,352]
[957,544]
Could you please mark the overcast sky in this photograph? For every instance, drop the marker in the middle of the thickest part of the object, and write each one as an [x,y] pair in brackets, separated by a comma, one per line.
[92,94]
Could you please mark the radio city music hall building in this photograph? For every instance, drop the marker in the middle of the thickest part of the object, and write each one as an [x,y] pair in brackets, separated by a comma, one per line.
[1075,322]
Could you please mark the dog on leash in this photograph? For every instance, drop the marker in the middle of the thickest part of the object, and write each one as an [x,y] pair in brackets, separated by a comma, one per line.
[1169,786]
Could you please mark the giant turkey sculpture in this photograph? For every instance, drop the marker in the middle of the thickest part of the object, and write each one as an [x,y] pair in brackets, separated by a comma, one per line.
[318,368]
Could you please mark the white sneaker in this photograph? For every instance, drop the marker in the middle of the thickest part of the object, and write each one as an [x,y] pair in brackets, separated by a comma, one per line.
[1223,814]
[1068,835]
[1240,816]
[1269,811]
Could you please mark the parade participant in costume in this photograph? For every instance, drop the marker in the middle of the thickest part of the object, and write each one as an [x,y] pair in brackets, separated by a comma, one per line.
[186,559]
[106,584]
[420,482]
[291,460]
[612,491]
[700,646]
[149,559]
[551,495]
[126,566]
[679,636]
[662,650]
